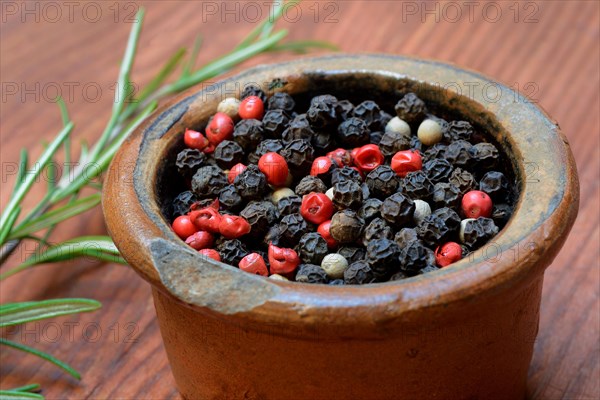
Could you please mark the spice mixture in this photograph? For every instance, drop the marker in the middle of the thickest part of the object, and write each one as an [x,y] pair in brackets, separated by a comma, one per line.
[338,193]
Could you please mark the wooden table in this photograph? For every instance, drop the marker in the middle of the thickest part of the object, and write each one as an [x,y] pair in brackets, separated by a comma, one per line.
[549,50]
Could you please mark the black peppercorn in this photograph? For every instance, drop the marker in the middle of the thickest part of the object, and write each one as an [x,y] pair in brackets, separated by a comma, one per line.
[232,251]
[322,142]
[228,153]
[310,184]
[392,142]
[299,155]
[417,186]
[438,150]
[336,282]
[273,236]
[369,112]
[299,128]
[415,144]
[382,182]
[312,248]
[208,181]
[485,156]
[260,215]
[293,226]
[310,273]
[352,254]
[495,184]
[251,184]
[346,226]
[253,90]
[188,161]
[230,199]
[501,214]
[281,101]
[344,109]
[478,231]
[347,194]
[359,273]
[274,122]
[375,137]
[382,256]
[353,132]
[459,153]
[413,257]
[345,173]
[182,203]
[439,227]
[264,147]
[321,112]
[445,194]
[398,209]
[289,205]
[462,179]
[458,130]
[411,108]
[405,236]
[248,133]
[438,170]
[370,209]
[377,229]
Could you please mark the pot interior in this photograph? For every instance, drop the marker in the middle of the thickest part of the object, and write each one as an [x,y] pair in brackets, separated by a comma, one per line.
[384,88]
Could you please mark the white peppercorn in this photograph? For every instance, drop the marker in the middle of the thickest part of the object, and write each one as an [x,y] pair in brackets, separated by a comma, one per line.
[334,265]
[429,132]
[398,125]
[280,194]
[422,210]
[229,106]
[278,277]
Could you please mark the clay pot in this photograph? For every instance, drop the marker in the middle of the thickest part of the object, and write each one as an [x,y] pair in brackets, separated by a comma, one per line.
[464,332]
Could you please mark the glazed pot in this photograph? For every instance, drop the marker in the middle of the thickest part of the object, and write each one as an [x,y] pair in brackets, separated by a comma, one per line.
[464,332]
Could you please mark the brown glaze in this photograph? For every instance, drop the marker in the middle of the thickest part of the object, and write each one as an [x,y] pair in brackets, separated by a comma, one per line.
[464,332]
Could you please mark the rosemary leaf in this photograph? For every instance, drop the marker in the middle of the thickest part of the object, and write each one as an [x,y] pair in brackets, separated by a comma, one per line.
[18,395]
[53,217]
[42,355]
[19,313]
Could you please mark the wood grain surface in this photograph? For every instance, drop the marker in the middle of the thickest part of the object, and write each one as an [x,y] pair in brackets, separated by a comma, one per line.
[550,50]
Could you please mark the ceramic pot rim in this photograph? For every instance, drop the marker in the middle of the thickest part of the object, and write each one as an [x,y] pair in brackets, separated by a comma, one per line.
[545,213]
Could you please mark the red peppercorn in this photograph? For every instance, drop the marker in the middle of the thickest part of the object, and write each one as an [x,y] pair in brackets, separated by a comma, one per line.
[194,140]
[183,226]
[316,208]
[323,230]
[206,219]
[447,254]
[368,157]
[235,171]
[200,240]
[233,227]
[282,261]
[321,165]
[274,167]
[209,149]
[476,204]
[211,253]
[220,128]
[406,161]
[254,264]
[252,107]
[340,156]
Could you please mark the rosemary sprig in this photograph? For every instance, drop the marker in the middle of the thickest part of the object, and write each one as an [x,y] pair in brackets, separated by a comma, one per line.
[62,198]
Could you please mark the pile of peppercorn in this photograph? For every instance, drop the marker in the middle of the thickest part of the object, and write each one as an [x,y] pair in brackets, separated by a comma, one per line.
[339,193]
